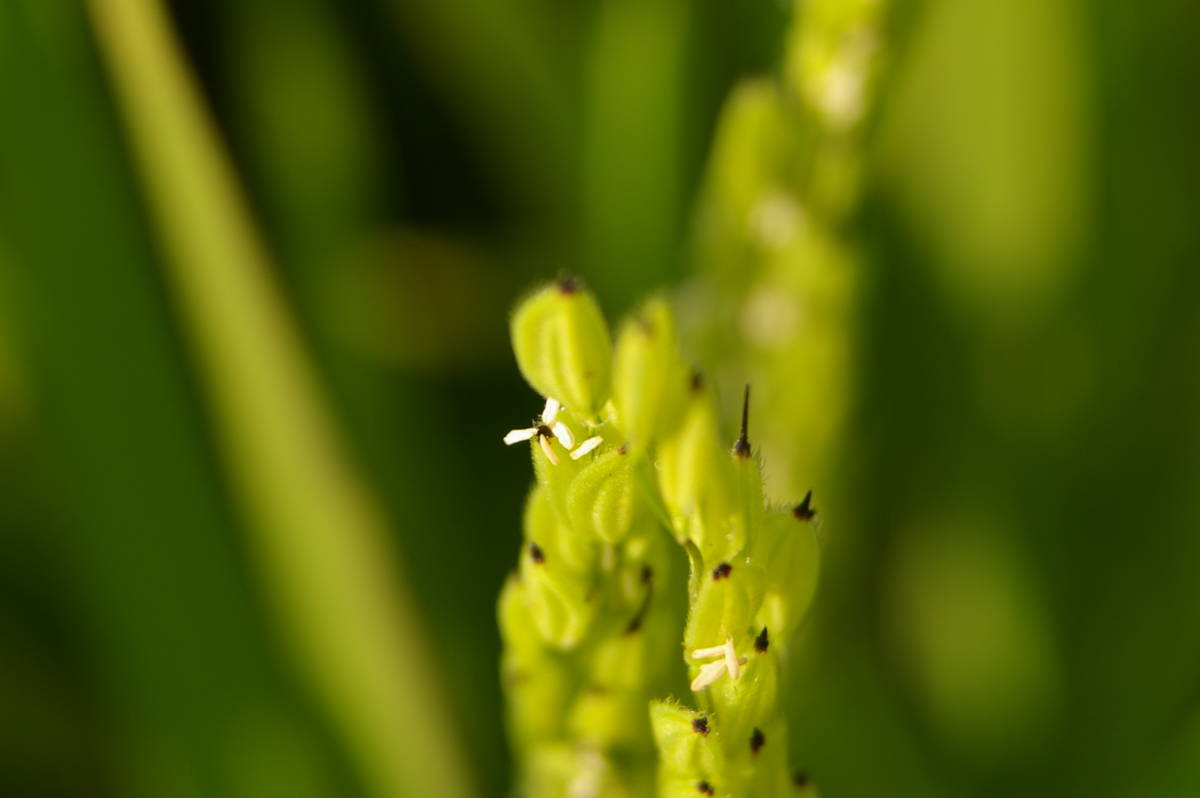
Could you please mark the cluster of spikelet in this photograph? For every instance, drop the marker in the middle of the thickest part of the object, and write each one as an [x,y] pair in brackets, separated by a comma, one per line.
[631,471]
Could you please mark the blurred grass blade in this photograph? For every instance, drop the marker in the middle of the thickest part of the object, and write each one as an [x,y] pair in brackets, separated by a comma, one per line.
[319,535]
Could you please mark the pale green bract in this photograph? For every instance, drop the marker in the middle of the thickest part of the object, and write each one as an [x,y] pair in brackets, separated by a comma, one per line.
[629,486]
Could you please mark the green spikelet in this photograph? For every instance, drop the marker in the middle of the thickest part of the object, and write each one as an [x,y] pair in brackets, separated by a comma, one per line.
[649,377]
[562,346]
[696,478]
[601,499]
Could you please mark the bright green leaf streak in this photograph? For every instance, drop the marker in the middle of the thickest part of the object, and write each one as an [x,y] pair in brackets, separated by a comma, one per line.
[318,533]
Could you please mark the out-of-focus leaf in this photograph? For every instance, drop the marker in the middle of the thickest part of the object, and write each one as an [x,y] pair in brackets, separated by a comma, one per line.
[317,531]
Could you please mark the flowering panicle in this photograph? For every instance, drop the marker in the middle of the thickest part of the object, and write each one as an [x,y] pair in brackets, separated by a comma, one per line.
[628,456]
[591,615]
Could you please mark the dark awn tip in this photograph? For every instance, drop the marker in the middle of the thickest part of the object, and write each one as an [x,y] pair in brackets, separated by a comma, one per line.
[569,285]
[804,510]
[762,642]
[756,741]
[635,624]
[624,449]
[536,553]
[722,571]
[800,778]
[700,725]
[704,788]
[741,447]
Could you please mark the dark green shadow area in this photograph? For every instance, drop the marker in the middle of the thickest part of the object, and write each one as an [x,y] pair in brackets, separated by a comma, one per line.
[190,698]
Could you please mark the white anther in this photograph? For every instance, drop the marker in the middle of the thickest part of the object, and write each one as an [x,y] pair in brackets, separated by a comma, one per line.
[548,426]
[563,433]
[587,446]
[518,435]
[549,452]
[842,94]
[731,661]
[708,674]
[776,219]
[709,653]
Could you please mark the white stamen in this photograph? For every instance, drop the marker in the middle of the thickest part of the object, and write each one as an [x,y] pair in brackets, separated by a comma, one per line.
[708,674]
[518,435]
[563,433]
[731,660]
[550,455]
[842,94]
[776,219]
[591,775]
[587,446]
[709,653]
[551,411]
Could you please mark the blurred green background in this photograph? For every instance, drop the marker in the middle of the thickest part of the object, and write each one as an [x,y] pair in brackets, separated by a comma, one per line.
[256,260]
